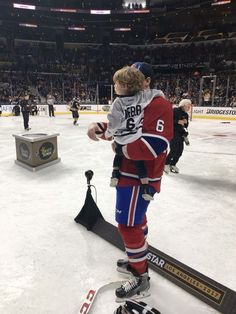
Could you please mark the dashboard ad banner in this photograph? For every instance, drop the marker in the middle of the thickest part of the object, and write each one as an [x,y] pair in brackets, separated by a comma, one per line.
[224,113]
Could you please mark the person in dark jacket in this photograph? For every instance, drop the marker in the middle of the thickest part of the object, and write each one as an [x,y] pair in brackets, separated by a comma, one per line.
[25,109]
[74,108]
[181,119]
[34,109]
[16,110]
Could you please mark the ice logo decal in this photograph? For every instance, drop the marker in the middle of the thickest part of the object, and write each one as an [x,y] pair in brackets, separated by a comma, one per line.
[46,150]
[24,151]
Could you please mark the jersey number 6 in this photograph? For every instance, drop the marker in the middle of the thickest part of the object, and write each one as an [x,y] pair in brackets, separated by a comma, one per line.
[130,125]
[160,125]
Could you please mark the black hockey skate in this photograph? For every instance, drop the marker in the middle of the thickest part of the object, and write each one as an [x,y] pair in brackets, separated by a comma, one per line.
[135,288]
[133,307]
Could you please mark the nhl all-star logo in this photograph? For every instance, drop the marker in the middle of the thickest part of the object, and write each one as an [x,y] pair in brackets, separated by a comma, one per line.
[46,150]
[156,260]
[24,151]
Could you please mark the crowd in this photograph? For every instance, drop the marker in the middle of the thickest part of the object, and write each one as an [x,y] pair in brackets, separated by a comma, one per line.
[84,72]
[87,59]
[65,87]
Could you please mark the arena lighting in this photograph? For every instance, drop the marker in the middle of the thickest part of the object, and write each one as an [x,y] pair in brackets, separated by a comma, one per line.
[28,25]
[130,3]
[100,11]
[122,29]
[23,6]
[76,28]
[63,10]
[80,11]
[135,11]
[220,2]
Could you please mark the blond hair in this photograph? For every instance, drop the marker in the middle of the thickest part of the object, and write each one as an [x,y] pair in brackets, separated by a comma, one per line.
[131,77]
[184,102]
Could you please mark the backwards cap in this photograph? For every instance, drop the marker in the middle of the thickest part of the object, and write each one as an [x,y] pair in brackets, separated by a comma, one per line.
[145,68]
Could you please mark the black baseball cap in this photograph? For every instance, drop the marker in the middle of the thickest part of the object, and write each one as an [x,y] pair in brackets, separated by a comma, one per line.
[145,68]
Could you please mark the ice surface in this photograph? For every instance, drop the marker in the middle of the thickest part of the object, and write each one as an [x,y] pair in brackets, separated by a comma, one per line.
[48,262]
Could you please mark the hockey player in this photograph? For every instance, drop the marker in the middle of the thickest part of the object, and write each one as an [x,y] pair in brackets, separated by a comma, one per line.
[157,131]
[126,119]
[74,108]
[180,135]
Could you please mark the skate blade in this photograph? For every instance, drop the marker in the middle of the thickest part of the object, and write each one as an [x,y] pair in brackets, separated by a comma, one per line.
[123,271]
[141,295]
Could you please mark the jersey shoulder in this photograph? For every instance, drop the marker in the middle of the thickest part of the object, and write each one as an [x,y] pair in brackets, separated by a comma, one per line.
[159,104]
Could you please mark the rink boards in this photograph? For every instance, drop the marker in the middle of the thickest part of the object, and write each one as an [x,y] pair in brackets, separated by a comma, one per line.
[217,113]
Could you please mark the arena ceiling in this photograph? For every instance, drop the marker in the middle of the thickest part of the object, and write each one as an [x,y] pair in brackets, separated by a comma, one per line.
[48,19]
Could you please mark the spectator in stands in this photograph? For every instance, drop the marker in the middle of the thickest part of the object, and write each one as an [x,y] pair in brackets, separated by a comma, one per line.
[82,70]
[233,102]
[207,98]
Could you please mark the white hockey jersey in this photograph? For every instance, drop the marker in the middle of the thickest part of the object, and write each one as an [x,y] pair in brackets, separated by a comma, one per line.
[125,119]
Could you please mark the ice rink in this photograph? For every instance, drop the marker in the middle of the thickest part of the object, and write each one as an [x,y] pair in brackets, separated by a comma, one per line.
[48,262]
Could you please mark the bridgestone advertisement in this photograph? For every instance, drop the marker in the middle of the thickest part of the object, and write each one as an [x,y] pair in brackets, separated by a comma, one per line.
[214,113]
[221,113]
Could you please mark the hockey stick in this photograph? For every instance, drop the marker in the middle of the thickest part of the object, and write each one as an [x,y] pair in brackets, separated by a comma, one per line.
[92,294]
[204,288]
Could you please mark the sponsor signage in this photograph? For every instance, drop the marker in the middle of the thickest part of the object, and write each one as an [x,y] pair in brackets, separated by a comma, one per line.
[186,277]
[214,113]
[204,288]
[24,151]
[46,150]
[61,108]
